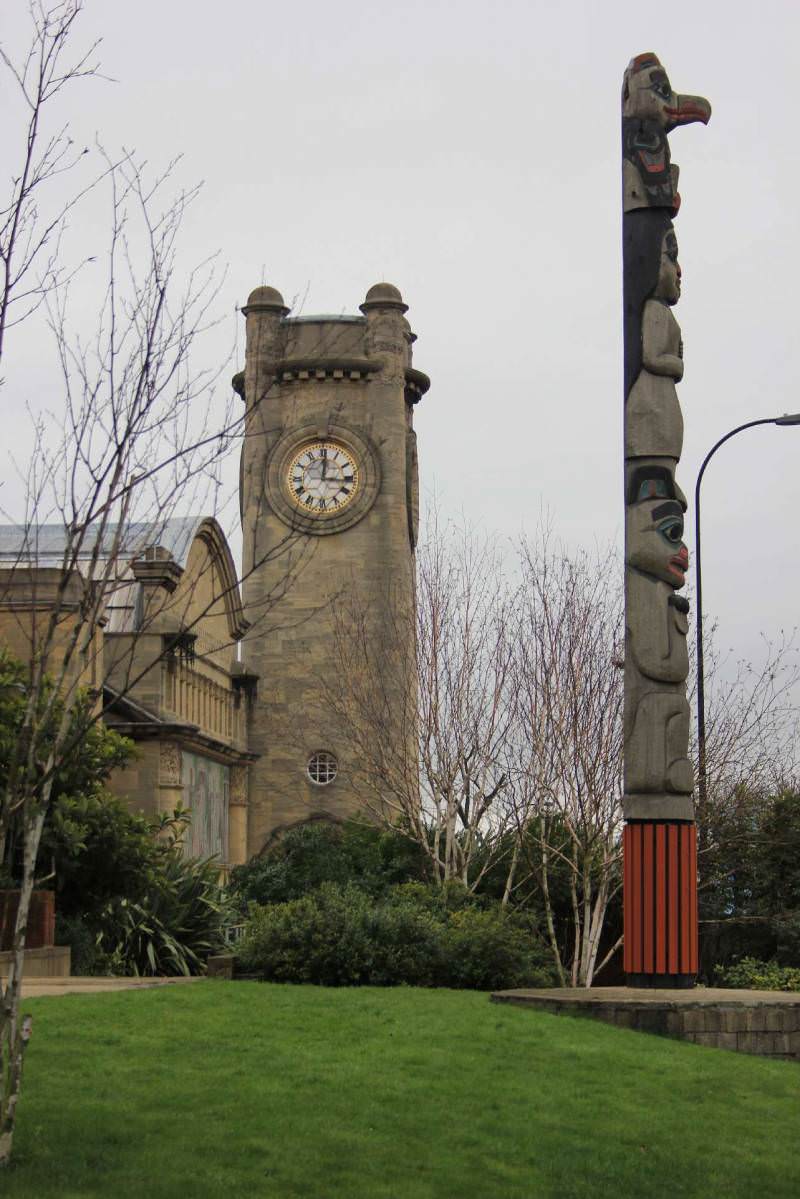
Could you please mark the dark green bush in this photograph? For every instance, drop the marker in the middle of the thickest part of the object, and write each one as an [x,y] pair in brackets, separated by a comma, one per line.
[369,857]
[757,975]
[340,936]
[453,896]
[319,938]
[750,881]
[336,936]
[90,845]
[127,901]
[407,946]
[99,851]
[487,950]
[86,957]
[131,903]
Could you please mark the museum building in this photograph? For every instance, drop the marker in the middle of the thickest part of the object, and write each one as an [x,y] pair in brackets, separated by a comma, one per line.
[217,679]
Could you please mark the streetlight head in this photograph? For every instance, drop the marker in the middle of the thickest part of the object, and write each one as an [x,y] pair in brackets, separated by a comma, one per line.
[788,418]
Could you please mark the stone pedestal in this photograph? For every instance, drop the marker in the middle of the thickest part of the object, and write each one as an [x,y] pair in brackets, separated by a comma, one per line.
[766,1023]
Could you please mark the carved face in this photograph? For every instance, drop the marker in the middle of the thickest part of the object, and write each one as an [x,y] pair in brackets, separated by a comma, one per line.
[647,94]
[668,288]
[655,540]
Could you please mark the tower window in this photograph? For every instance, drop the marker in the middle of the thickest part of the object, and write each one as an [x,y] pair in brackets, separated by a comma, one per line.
[322,768]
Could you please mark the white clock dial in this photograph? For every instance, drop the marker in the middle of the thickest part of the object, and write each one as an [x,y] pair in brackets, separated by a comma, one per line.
[322,478]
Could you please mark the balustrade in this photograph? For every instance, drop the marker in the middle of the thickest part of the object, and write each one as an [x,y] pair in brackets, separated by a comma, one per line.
[197,699]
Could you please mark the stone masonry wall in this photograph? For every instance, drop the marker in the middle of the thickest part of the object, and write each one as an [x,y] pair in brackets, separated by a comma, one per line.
[757,1022]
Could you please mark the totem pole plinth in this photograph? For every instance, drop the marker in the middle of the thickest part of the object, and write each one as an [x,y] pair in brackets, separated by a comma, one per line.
[660,858]
[660,890]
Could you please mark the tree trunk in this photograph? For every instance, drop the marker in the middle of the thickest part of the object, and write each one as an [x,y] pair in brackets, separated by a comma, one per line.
[576,916]
[14,1035]
[512,870]
[548,911]
[595,928]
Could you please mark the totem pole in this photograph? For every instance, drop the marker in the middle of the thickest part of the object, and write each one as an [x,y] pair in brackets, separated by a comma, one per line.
[660,864]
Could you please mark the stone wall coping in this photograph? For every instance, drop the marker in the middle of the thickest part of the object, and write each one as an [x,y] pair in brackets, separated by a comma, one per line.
[47,964]
[630,997]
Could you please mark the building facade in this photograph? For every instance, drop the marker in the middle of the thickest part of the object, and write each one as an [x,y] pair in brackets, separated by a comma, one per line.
[227,695]
[164,666]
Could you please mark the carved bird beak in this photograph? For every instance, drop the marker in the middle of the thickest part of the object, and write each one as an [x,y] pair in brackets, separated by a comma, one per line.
[687,110]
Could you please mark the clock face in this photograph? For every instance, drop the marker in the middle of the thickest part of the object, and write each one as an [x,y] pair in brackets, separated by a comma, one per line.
[322,478]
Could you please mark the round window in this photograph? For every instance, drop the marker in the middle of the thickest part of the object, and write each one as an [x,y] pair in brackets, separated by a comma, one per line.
[322,768]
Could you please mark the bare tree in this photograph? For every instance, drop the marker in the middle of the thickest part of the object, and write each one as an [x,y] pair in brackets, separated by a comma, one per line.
[567,794]
[426,701]
[752,722]
[752,727]
[113,464]
[568,787]
[136,435]
[33,213]
[141,435]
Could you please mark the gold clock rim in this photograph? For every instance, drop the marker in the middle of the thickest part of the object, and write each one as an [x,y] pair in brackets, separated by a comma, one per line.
[298,453]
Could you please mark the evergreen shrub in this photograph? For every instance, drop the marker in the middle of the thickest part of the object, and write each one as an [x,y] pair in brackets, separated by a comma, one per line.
[756,975]
[370,858]
[486,950]
[338,935]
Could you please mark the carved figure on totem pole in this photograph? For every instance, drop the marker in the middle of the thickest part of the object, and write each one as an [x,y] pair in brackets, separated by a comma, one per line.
[651,110]
[658,773]
[653,418]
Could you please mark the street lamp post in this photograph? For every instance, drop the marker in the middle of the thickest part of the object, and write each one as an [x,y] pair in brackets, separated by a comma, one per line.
[788,419]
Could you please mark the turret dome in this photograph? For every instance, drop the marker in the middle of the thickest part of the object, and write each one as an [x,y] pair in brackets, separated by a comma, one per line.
[266,298]
[383,295]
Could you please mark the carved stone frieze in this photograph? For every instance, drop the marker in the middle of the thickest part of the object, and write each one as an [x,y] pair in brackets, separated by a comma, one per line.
[170,766]
[238,787]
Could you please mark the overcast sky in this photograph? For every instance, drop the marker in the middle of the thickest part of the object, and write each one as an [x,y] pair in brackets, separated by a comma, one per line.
[470,154]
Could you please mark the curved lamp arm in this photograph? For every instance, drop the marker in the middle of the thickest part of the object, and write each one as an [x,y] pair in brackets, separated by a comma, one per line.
[789,418]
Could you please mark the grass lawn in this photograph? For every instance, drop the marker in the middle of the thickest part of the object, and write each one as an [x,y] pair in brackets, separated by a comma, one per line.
[242,1089]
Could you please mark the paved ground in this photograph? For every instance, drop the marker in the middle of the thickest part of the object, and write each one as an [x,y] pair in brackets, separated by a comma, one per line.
[33,987]
[691,997]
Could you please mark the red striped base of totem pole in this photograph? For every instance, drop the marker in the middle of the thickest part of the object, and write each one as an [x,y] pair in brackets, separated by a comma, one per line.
[660,894]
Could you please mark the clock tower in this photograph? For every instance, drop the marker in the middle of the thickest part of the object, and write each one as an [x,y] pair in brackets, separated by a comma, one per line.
[329,504]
